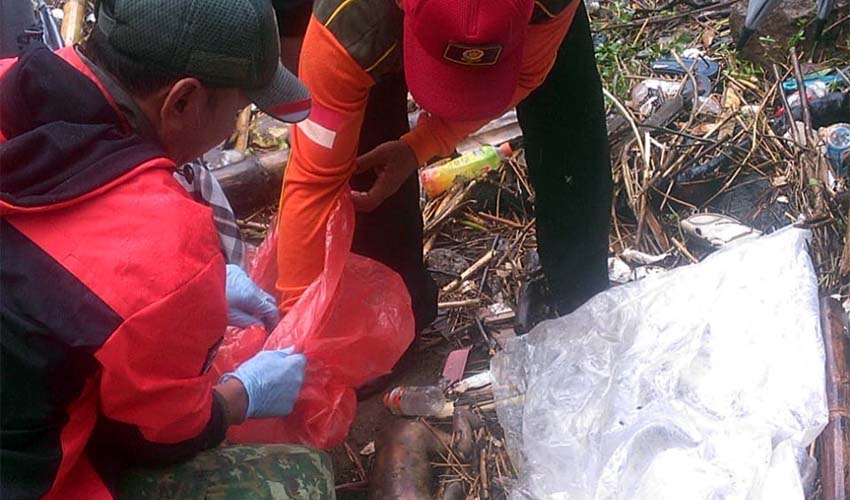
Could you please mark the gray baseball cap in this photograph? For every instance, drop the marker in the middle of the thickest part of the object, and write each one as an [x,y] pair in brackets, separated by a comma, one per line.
[223,43]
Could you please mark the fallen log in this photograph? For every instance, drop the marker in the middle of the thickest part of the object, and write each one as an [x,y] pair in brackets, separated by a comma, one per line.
[253,183]
[834,442]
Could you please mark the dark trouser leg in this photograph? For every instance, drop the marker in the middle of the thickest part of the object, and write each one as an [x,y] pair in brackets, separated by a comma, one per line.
[392,233]
[293,16]
[566,148]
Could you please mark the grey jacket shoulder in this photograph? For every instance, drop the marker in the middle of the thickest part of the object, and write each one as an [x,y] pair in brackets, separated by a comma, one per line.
[370,30]
[545,10]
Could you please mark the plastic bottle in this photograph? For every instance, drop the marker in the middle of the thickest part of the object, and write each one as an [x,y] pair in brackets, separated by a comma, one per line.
[814,91]
[416,401]
[470,165]
[826,110]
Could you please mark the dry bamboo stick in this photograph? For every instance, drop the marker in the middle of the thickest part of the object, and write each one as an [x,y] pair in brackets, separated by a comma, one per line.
[629,119]
[682,248]
[485,483]
[72,21]
[500,220]
[667,18]
[357,485]
[844,266]
[458,303]
[835,440]
[256,226]
[242,129]
[474,268]
[439,438]
[473,489]
[356,461]
[804,98]
[429,245]
[656,229]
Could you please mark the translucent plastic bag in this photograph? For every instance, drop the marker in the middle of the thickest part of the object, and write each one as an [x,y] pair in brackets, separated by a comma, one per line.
[353,323]
[703,383]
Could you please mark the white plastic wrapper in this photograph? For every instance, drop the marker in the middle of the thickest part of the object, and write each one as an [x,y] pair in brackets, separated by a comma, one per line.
[705,382]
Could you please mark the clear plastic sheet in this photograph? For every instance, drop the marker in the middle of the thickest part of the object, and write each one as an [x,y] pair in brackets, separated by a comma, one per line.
[705,382]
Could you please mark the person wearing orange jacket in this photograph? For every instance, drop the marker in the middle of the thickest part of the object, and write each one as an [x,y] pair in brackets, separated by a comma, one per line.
[465,62]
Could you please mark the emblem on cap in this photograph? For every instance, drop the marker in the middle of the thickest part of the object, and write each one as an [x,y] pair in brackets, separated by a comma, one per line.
[472,56]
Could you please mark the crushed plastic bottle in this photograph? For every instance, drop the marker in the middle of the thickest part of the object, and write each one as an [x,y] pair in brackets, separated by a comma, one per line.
[470,165]
[650,87]
[416,401]
[816,90]
[647,95]
[827,110]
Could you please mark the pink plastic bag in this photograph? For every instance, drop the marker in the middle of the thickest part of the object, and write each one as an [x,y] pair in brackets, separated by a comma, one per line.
[353,323]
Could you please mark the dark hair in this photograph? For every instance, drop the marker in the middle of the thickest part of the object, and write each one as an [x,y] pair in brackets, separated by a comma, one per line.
[137,78]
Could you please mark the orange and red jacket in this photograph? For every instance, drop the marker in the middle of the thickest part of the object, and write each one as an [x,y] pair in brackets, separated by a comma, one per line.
[112,290]
[348,47]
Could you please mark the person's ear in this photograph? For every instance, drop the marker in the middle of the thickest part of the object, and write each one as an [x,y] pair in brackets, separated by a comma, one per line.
[184,104]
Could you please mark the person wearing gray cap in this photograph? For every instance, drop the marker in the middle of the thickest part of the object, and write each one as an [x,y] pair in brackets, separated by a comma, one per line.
[115,289]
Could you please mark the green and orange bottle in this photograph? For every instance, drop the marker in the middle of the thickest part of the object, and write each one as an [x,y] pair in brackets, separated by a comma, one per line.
[470,165]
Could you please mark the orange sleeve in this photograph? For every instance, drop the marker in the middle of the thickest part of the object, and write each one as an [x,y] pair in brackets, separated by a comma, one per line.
[324,151]
[437,137]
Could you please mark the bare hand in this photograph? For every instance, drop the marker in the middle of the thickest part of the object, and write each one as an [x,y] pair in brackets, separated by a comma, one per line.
[393,162]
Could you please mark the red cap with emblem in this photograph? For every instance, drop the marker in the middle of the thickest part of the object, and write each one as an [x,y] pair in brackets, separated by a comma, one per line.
[462,57]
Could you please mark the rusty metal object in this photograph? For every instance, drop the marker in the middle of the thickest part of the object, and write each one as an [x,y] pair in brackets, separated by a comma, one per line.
[402,465]
[404,453]
[835,439]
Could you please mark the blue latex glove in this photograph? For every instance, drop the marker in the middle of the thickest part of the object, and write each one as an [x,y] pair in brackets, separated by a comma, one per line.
[272,380]
[248,304]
